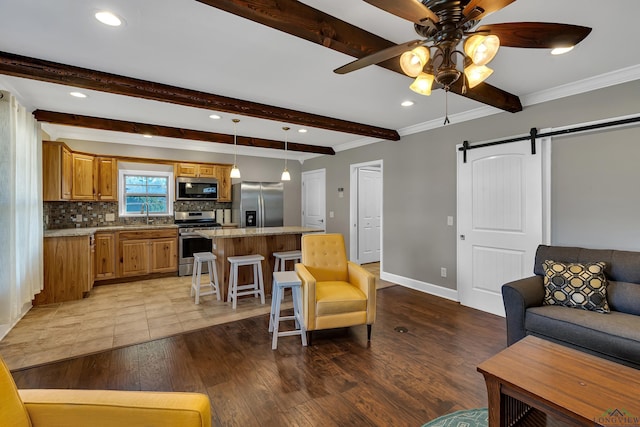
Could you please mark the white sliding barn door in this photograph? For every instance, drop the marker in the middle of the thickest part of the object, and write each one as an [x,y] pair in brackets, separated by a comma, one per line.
[499,220]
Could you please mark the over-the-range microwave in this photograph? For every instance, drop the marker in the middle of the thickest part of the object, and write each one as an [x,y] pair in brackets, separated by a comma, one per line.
[196,188]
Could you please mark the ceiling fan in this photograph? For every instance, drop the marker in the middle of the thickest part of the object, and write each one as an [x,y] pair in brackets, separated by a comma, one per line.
[443,24]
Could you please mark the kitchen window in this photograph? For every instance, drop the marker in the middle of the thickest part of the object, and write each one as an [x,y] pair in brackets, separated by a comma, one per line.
[145,192]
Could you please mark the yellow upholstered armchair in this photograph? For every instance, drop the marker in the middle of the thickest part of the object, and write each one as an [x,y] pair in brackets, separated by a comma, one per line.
[336,292]
[98,408]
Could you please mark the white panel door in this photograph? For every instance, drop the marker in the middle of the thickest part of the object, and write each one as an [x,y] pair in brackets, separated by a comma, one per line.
[499,221]
[314,199]
[369,206]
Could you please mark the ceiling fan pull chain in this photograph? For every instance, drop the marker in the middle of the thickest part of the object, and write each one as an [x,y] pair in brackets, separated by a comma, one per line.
[446,106]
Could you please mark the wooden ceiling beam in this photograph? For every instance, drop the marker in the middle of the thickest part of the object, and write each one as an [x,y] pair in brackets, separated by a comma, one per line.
[171,132]
[53,72]
[300,20]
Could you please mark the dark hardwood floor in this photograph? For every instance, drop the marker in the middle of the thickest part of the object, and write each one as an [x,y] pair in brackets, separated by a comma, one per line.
[400,379]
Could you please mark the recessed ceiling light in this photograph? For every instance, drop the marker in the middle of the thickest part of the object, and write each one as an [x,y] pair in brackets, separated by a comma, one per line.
[302,130]
[215,117]
[407,103]
[146,135]
[561,50]
[108,18]
[78,94]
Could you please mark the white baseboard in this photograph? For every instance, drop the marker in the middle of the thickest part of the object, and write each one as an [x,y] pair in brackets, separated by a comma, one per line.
[439,291]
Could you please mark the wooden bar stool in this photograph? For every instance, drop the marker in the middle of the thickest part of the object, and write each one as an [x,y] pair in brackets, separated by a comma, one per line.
[282,280]
[283,257]
[197,286]
[256,288]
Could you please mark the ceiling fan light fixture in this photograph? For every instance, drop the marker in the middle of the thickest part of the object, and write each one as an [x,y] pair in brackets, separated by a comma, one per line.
[412,61]
[482,49]
[422,84]
[476,74]
[561,50]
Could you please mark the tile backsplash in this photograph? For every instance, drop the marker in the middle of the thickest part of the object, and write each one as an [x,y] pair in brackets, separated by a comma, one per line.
[59,215]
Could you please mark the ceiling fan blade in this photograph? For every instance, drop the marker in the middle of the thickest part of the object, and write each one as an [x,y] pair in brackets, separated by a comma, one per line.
[483,8]
[411,10]
[379,56]
[489,95]
[537,34]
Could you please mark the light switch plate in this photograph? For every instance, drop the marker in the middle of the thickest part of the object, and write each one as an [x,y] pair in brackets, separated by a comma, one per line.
[110,217]
[449,220]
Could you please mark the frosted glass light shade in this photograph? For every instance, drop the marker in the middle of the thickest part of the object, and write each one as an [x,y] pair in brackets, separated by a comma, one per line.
[412,61]
[476,74]
[481,49]
[286,176]
[235,172]
[422,84]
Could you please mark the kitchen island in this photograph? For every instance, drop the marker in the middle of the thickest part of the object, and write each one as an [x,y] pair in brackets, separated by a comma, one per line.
[246,241]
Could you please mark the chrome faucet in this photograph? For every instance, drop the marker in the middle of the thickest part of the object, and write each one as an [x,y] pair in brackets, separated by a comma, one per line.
[144,206]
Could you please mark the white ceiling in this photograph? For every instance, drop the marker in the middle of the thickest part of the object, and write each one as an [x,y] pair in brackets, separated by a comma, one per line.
[188,44]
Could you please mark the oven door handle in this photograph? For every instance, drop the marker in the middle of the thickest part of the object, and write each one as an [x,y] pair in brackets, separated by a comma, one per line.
[191,235]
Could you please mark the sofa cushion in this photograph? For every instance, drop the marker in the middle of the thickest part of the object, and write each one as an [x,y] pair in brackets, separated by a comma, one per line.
[616,335]
[576,285]
[336,297]
[624,297]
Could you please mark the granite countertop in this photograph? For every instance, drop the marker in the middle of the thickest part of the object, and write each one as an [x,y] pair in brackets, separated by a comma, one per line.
[228,233]
[88,231]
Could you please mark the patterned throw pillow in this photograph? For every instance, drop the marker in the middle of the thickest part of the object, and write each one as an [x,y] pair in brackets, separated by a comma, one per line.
[576,285]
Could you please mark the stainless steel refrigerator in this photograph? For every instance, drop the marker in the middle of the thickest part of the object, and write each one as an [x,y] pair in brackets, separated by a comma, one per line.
[258,204]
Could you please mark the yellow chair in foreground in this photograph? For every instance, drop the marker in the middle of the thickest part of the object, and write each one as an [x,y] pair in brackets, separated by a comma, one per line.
[98,408]
[336,292]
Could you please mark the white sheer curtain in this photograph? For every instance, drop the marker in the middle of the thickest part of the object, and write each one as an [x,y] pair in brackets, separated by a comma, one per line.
[21,275]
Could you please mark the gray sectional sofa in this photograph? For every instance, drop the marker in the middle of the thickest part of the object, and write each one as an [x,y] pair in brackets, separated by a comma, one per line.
[614,335]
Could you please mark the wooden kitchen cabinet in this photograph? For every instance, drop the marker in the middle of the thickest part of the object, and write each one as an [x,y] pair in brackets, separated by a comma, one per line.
[106,178]
[223,173]
[144,252]
[67,269]
[105,256]
[195,170]
[82,187]
[57,173]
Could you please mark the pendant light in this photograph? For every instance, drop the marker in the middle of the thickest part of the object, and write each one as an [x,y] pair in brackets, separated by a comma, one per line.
[286,176]
[235,172]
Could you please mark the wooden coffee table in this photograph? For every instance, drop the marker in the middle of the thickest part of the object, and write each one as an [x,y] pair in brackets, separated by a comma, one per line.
[535,376]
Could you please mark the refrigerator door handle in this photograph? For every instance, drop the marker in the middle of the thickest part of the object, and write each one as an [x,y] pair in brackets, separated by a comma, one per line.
[261,208]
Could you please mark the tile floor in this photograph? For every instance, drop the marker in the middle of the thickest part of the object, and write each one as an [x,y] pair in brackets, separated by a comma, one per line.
[119,315]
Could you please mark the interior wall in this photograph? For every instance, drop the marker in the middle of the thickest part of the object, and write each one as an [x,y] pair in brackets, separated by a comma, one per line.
[420,181]
[251,168]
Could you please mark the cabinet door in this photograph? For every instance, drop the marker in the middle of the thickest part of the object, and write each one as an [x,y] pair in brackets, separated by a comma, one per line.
[207,171]
[186,169]
[82,185]
[67,173]
[164,255]
[105,256]
[224,182]
[106,178]
[134,257]
[66,267]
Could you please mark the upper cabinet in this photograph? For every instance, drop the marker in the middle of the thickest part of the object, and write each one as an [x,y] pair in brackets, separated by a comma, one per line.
[57,172]
[195,170]
[223,173]
[77,176]
[106,178]
[82,186]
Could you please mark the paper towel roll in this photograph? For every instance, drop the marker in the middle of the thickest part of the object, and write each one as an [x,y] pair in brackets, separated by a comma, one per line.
[227,216]
[219,216]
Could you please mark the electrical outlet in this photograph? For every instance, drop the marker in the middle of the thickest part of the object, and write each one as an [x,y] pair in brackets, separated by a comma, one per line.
[443,272]
[78,218]
[110,217]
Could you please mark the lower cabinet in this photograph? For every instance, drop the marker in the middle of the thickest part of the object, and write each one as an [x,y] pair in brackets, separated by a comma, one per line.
[147,251]
[67,269]
[104,256]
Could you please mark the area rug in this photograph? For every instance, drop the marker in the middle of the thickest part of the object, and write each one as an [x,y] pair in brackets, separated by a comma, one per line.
[467,418]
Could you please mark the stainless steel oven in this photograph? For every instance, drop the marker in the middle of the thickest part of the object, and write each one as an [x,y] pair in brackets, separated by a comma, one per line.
[189,241]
